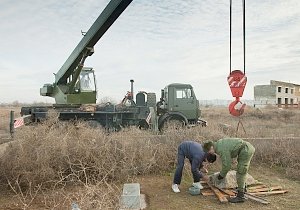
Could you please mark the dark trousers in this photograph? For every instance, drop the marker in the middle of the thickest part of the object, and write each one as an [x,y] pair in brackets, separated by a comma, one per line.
[179,168]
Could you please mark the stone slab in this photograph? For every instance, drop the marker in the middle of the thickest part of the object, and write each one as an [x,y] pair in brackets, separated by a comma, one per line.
[131,197]
[230,180]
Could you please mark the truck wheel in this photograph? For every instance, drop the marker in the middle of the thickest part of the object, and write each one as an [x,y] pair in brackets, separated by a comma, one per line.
[113,128]
[151,99]
[94,124]
[143,125]
[173,124]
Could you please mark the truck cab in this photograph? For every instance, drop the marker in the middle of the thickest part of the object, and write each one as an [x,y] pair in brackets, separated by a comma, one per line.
[178,102]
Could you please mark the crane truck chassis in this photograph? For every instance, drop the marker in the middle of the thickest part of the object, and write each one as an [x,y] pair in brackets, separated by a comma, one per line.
[74,91]
[178,107]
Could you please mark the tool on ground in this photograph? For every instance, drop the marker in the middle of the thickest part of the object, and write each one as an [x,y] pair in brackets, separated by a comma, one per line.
[237,79]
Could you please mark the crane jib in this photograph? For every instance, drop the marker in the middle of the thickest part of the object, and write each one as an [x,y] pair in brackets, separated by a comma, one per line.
[111,12]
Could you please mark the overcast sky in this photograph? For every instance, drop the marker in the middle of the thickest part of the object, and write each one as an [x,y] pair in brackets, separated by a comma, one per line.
[154,42]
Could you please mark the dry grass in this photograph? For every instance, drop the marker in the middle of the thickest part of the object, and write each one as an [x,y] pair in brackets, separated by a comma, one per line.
[56,155]
[278,153]
[46,160]
[5,117]
[260,123]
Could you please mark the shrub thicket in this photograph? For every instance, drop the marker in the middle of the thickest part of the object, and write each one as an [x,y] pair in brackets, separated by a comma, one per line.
[48,158]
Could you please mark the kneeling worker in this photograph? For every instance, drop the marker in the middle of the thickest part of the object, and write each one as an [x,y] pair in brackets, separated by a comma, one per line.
[229,148]
[196,155]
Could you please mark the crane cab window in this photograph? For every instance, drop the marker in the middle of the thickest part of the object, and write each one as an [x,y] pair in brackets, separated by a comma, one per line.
[87,81]
[184,93]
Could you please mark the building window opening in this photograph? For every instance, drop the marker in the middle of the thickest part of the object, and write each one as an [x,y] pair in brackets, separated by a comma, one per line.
[278,101]
[292,101]
[286,101]
[279,89]
[286,90]
[292,91]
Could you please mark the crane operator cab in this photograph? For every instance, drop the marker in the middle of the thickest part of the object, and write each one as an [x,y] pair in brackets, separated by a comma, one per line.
[83,91]
[86,81]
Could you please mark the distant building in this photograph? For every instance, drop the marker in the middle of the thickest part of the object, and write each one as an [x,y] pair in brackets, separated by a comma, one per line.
[277,93]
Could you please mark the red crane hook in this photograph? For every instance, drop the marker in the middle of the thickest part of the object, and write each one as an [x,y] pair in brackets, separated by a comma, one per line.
[236,108]
[237,82]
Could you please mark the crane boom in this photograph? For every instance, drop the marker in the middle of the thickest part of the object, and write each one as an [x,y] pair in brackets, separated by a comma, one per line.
[75,84]
[111,12]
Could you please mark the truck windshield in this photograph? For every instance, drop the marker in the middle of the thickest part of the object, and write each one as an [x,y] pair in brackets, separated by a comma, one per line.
[184,93]
[87,81]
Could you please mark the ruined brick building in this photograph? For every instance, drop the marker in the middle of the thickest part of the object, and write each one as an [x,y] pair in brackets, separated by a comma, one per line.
[277,93]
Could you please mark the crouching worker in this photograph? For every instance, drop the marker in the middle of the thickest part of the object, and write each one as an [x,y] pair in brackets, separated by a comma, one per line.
[227,149]
[196,155]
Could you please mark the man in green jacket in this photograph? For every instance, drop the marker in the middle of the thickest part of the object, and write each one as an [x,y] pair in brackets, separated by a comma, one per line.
[227,149]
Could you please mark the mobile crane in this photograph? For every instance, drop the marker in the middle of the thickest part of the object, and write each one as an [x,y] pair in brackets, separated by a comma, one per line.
[74,90]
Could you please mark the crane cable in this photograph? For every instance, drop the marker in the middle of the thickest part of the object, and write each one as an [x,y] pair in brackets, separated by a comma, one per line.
[237,79]
[244,35]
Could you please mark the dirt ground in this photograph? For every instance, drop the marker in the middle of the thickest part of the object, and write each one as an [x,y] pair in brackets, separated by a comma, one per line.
[160,196]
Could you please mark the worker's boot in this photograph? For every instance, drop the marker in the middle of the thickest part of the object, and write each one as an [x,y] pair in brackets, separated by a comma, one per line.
[239,198]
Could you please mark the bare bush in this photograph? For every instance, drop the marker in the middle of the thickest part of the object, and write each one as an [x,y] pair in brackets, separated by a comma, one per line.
[54,155]
[278,152]
[51,157]
[101,195]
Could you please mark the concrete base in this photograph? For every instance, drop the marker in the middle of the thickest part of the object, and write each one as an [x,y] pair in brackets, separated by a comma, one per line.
[131,197]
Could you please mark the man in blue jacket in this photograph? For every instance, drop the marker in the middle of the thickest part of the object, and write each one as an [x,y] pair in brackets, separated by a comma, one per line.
[196,155]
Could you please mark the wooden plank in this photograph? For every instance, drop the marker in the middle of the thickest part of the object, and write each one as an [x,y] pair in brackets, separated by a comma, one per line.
[207,192]
[256,198]
[222,198]
[204,185]
[257,187]
[267,189]
[228,192]
[269,193]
